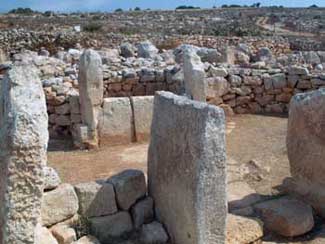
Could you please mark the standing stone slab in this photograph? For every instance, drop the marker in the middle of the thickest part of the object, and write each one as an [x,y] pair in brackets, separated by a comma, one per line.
[187,169]
[143,110]
[194,76]
[116,121]
[305,145]
[24,138]
[91,91]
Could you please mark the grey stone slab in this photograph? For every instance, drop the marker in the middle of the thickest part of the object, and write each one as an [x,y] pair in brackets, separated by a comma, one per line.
[187,169]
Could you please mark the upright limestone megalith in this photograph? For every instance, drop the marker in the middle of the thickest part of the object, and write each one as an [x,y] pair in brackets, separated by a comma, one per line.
[305,145]
[187,169]
[91,91]
[24,138]
[194,76]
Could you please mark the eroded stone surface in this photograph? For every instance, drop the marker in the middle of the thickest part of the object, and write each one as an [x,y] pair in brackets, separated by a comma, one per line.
[187,169]
[116,121]
[194,76]
[91,89]
[24,137]
[142,110]
[59,205]
[287,217]
[96,199]
[305,145]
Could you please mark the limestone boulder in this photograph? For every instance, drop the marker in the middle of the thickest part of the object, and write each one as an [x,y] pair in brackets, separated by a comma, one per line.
[52,178]
[96,199]
[129,185]
[64,234]
[153,233]
[305,143]
[43,235]
[59,205]
[112,227]
[142,212]
[286,217]
[127,50]
[147,50]
[194,76]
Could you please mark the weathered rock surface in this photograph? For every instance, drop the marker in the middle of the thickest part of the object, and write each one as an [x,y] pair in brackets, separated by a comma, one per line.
[111,227]
[142,212]
[24,137]
[147,50]
[96,199]
[91,91]
[116,121]
[242,230]
[130,185]
[64,234]
[44,236]
[188,180]
[287,217]
[153,233]
[52,178]
[59,205]
[305,143]
[142,110]
[194,76]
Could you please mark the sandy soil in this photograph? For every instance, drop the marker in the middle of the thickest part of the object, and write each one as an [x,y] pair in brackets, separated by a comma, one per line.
[261,138]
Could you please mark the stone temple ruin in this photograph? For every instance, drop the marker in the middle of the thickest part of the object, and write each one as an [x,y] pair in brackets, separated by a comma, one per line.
[185,196]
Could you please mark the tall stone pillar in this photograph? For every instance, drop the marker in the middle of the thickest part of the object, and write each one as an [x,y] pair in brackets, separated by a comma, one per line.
[24,138]
[194,76]
[187,169]
[91,90]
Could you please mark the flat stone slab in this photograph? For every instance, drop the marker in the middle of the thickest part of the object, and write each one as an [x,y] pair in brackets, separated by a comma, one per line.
[116,125]
[187,169]
[143,110]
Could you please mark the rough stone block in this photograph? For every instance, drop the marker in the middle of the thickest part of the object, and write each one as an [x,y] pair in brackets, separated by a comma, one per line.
[287,217]
[305,145]
[52,178]
[96,199]
[194,76]
[187,169]
[143,110]
[112,227]
[64,234]
[59,205]
[24,137]
[142,212]
[130,185]
[153,233]
[116,121]
[44,236]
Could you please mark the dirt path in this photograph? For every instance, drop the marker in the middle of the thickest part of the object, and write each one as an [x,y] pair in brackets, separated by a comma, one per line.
[278,29]
[249,137]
